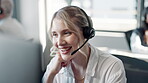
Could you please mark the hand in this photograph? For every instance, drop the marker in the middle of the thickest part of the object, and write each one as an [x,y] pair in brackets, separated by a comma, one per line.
[58,64]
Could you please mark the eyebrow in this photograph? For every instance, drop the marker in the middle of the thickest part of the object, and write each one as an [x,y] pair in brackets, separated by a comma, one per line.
[62,30]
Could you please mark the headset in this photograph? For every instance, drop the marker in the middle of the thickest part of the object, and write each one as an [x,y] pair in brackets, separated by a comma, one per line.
[1,9]
[88,31]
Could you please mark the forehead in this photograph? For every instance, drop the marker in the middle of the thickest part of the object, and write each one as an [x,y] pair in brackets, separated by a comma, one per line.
[58,24]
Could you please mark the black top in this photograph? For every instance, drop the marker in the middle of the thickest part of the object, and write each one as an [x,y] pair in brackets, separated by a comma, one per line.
[141,32]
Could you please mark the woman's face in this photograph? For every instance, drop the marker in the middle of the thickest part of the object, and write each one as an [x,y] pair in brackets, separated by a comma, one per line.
[64,39]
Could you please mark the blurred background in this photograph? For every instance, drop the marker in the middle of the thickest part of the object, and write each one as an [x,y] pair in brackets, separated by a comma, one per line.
[112,19]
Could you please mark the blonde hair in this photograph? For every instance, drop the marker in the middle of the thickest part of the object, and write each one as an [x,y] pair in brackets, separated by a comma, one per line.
[72,17]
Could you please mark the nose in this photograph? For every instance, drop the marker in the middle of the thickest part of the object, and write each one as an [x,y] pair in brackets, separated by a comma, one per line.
[61,41]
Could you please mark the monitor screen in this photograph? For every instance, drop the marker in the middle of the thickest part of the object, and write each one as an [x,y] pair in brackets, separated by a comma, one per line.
[20,61]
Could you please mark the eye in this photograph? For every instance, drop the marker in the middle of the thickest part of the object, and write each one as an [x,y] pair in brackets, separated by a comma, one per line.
[54,34]
[67,33]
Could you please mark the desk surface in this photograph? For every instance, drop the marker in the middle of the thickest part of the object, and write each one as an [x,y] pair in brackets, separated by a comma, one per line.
[124,53]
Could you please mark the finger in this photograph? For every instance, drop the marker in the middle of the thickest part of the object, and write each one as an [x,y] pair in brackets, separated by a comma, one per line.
[63,62]
[53,51]
[59,56]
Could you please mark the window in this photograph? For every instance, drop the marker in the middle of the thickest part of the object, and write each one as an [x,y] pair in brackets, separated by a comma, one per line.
[106,14]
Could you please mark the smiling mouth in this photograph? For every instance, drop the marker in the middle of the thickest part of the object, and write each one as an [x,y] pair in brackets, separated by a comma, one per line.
[65,50]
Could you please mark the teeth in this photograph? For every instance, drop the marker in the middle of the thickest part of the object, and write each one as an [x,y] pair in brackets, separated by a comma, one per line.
[65,49]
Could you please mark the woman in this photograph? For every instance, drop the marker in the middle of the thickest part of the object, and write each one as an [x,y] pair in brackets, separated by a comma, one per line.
[139,37]
[88,64]
[8,25]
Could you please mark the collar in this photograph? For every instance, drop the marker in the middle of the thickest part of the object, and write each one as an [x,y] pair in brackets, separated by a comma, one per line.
[67,71]
[92,63]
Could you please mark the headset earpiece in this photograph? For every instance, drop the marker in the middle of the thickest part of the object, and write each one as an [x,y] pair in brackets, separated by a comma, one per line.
[88,32]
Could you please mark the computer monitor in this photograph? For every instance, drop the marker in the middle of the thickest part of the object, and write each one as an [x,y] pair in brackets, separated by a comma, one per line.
[112,40]
[20,61]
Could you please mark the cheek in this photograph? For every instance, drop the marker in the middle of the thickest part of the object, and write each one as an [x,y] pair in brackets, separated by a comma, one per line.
[74,41]
[71,40]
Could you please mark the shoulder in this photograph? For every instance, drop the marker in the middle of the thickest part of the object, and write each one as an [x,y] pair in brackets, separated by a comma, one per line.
[107,65]
[104,58]
[109,60]
[139,30]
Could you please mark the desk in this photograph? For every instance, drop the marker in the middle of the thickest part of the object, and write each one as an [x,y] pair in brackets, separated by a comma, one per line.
[125,53]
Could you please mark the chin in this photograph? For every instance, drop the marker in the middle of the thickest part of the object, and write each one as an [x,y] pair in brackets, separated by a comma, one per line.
[66,57]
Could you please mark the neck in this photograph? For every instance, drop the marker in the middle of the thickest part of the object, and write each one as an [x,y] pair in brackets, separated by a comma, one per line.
[79,63]
[82,57]
[79,72]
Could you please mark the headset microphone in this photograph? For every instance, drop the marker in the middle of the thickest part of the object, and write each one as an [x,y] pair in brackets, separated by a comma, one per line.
[79,47]
[92,34]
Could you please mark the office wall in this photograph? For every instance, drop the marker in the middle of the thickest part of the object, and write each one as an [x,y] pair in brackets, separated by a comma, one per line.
[26,11]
